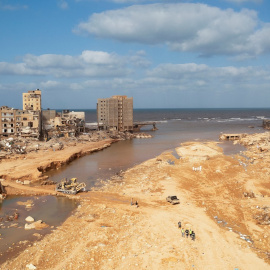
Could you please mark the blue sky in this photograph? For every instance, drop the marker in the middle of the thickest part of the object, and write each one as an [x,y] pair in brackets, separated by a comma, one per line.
[164,54]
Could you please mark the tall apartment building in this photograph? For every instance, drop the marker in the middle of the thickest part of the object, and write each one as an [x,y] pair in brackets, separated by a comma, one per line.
[115,113]
[32,100]
[7,121]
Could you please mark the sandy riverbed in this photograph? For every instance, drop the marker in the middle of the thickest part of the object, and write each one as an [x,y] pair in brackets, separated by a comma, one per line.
[106,232]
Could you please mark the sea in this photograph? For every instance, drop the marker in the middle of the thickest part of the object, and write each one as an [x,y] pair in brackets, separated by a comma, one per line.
[175,126]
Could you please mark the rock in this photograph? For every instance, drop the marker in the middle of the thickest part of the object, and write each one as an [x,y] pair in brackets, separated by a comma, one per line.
[29,226]
[31,266]
[38,225]
[29,219]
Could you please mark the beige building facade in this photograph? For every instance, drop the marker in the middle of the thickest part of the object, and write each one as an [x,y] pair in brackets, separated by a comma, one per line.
[115,113]
[32,100]
[28,123]
[7,121]
[14,122]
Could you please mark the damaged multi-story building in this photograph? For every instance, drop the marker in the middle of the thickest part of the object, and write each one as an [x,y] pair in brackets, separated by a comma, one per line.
[7,121]
[34,122]
[32,100]
[14,122]
[115,113]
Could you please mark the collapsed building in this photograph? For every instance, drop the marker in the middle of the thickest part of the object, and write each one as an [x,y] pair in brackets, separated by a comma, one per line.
[66,123]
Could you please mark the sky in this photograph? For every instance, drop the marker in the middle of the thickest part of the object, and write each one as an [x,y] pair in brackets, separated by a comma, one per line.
[164,54]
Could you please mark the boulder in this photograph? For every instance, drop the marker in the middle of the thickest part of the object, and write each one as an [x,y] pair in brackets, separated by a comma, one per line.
[29,219]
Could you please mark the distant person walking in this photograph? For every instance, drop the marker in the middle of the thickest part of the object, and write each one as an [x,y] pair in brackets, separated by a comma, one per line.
[183,232]
[193,235]
[179,225]
[187,232]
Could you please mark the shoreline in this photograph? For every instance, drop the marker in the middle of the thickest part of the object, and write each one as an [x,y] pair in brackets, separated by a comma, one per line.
[117,235]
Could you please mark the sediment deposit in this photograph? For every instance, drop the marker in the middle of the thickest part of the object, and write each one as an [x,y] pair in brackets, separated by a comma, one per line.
[222,202]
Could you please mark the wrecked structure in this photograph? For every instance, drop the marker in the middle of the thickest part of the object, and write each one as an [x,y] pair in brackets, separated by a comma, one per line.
[25,122]
[115,113]
[266,124]
[14,122]
[33,122]
[232,137]
[32,100]
[66,123]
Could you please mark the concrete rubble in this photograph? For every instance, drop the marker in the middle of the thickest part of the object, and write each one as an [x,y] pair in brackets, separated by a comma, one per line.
[20,146]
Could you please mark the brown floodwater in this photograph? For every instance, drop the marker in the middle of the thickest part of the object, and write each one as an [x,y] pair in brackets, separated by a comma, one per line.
[53,210]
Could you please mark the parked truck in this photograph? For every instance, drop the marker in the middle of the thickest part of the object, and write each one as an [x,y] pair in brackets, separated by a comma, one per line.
[173,199]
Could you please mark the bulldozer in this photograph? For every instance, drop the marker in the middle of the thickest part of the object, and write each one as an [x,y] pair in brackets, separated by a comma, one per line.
[70,186]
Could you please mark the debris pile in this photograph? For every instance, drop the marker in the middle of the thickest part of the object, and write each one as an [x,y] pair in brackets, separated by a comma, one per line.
[249,194]
[142,136]
[20,146]
[266,124]
[264,217]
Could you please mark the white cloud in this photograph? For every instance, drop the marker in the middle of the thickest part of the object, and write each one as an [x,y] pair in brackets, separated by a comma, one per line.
[244,1]
[89,63]
[184,27]
[99,57]
[171,85]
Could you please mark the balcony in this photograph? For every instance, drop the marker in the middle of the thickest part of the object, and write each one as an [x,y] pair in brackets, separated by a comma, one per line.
[7,120]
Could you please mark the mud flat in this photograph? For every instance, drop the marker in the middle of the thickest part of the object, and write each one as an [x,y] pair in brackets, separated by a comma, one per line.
[224,199]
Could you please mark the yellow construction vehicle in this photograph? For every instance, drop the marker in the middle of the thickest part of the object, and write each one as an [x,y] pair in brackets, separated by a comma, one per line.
[70,186]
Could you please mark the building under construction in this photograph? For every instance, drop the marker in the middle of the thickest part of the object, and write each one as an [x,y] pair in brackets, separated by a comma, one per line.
[115,113]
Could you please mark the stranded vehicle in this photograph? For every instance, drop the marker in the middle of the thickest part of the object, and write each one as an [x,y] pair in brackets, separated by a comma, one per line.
[70,186]
[173,199]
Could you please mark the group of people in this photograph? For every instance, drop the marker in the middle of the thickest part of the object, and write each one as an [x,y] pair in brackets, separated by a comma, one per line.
[132,203]
[186,232]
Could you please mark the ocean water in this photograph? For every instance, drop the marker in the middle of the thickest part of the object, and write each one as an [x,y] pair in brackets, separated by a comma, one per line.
[175,126]
[190,114]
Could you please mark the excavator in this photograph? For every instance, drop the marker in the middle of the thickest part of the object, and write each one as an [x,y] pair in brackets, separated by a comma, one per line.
[70,186]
